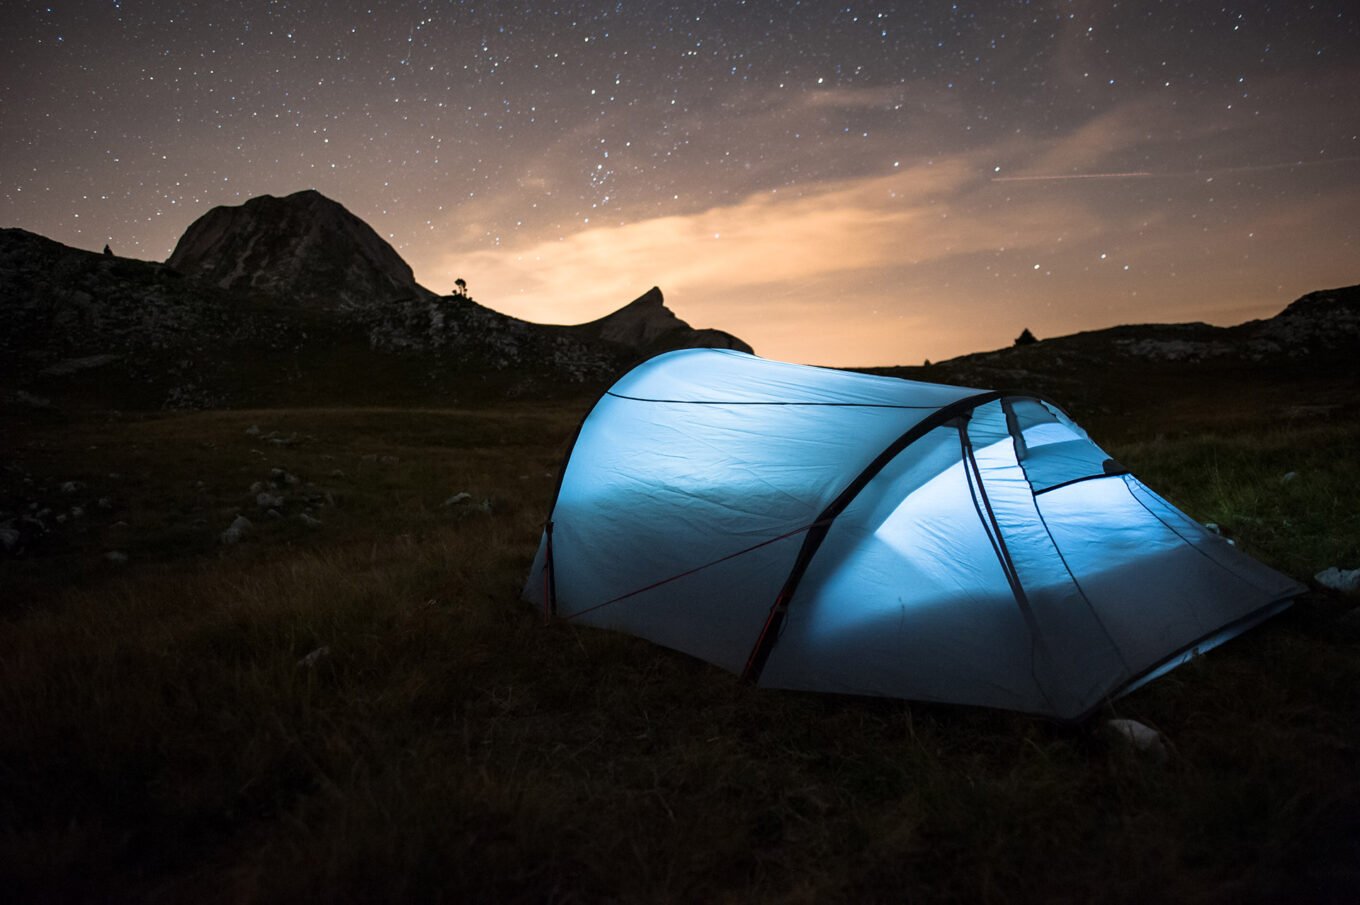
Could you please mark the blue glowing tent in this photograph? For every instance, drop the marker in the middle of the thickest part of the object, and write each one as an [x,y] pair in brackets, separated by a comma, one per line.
[824,530]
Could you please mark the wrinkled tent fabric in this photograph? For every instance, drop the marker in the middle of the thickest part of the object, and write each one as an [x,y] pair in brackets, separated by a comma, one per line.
[831,531]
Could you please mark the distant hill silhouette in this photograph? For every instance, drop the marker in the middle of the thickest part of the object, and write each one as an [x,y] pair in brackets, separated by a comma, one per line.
[273,295]
[304,247]
[281,300]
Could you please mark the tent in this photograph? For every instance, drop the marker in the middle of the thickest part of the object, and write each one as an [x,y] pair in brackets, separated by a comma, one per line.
[817,529]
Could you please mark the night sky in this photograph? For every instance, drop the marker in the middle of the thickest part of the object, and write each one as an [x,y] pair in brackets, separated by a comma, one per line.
[836,183]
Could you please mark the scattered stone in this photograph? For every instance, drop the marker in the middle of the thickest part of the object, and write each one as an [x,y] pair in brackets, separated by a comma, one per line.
[77,512]
[236,530]
[309,521]
[1142,738]
[72,365]
[268,500]
[257,486]
[315,657]
[1288,476]
[371,457]
[253,430]
[72,487]
[117,557]
[28,399]
[1345,581]
[105,503]
[120,524]
[273,513]
[337,473]
[390,460]
[458,498]
[61,518]
[9,537]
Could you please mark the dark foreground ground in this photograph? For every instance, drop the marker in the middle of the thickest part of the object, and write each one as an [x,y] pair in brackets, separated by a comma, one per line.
[362,710]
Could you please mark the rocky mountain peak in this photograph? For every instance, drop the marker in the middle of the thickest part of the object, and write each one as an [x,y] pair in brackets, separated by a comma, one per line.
[304,247]
[646,323]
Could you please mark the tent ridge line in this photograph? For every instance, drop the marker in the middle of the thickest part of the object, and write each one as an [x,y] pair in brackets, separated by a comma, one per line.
[769,633]
[856,405]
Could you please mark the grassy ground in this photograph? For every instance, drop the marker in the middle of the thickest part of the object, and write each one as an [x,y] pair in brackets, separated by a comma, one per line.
[161,739]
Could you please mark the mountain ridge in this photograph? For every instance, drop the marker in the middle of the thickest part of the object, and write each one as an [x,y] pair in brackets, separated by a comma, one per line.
[295,297]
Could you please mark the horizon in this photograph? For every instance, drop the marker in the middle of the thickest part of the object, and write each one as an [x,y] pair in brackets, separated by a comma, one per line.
[871,187]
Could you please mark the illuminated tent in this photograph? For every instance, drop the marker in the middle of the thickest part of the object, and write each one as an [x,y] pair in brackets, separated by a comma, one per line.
[824,530]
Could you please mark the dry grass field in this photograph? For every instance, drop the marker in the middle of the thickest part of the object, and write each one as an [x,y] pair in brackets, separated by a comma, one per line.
[355,706]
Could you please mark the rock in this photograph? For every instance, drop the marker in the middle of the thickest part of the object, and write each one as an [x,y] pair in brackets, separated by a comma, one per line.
[1345,581]
[458,498]
[257,486]
[253,430]
[72,487]
[117,557]
[105,503]
[236,530]
[315,657]
[309,521]
[1142,738]
[77,512]
[337,473]
[1288,476]
[268,500]
[389,460]
[273,513]
[33,402]
[9,537]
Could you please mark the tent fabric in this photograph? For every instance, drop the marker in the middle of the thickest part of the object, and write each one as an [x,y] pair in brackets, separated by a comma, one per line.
[825,530]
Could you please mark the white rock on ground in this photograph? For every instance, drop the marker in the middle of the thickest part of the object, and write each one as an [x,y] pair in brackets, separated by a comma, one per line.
[236,530]
[1143,738]
[457,498]
[1347,581]
[315,657]
[309,521]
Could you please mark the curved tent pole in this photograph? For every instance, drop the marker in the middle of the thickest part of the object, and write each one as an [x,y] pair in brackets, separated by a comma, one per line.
[769,632]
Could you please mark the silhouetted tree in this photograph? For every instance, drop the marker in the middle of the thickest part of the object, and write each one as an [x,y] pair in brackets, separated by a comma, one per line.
[1026,338]
[462,287]
[108,252]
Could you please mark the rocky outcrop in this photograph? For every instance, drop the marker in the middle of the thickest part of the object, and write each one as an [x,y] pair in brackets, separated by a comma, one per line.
[303,247]
[646,324]
[278,293]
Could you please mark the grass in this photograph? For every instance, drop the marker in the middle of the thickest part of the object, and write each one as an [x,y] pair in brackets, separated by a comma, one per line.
[162,740]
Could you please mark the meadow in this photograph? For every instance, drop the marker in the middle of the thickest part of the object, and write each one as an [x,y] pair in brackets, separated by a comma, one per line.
[356,706]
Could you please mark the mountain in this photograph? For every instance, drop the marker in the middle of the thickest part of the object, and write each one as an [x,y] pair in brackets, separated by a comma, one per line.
[646,324]
[1304,359]
[304,247]
[279,299]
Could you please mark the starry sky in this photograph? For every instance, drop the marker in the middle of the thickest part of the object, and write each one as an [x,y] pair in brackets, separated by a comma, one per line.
[848,183]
